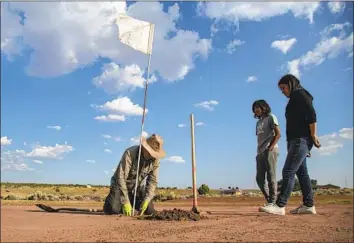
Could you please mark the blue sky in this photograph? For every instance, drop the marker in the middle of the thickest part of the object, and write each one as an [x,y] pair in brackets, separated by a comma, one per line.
[72,95]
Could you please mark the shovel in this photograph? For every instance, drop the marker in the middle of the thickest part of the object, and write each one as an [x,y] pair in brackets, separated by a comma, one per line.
[54,210]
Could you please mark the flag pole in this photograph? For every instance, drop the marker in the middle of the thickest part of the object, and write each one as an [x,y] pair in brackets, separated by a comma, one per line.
[142,121]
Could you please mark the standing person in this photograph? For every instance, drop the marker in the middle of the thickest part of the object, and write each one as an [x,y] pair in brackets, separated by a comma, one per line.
[301,126]
[268,134]
[121,196]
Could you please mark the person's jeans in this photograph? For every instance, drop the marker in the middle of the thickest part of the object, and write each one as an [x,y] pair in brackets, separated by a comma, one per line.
[267,164]
[112,203]
[295,163]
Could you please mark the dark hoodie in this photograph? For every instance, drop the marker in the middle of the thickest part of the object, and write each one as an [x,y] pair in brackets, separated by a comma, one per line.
[299,114]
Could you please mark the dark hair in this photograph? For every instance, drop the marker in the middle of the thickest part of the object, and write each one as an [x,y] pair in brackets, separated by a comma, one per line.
[266,110]
[293,83]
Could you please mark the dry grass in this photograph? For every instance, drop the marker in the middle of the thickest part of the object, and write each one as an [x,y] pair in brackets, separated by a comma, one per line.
[179,196]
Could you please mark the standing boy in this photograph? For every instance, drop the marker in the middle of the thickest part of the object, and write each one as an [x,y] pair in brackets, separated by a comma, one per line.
[268,134]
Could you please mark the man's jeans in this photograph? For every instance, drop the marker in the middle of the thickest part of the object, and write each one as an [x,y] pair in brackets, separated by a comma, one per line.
[295,163]
[267,163]
[112,203]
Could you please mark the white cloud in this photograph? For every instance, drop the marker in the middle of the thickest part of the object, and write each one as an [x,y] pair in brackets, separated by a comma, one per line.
[5,141]
[50,152]
[90,161]
[106,136]
[175,159]
[327,48]
[14,160]
[340,28]
[66,36]
[346,133]
[336,7]
[182,125]
[293,67]
[284,45]
[200,124]
[207,105]
[16,167]
[107,151]
[110,118]
[213,30]
[232,45]
[122,106]
[10,32]
[331,143]
[136,140]
[58,128]
[256,11]
[251,79]
[115,79]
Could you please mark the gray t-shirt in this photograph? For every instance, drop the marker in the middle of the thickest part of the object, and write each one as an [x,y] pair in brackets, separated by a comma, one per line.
[265,132]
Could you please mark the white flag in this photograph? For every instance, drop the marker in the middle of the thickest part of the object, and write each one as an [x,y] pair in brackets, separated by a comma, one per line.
[136,33]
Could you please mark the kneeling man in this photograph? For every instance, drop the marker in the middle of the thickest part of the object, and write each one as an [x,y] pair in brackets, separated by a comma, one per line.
[121,196]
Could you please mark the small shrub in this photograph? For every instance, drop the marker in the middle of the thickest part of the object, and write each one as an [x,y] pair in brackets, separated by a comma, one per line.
[94,190]
[96,198]
[57,189]
[32,197]
[12,197]
[39,194]
[79,198]
[203,189]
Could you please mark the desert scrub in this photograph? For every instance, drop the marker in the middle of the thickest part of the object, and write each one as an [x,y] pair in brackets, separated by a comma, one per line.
[203,189]
[79,198]
[12,197]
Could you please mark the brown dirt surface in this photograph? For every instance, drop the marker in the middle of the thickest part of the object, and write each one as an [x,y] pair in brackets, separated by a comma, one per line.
[175,215]
[230,220]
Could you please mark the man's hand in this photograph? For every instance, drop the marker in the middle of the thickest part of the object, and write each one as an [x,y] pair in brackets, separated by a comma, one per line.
[143,207]
[270,147]
[127,209]
[316,141]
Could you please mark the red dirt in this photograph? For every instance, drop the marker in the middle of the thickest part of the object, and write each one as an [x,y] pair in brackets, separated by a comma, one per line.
[227,221]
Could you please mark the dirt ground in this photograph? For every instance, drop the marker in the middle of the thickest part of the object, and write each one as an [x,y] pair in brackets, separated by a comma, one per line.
[229,220]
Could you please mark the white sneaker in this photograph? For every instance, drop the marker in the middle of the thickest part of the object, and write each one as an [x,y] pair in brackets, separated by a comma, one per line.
[274,209]
[304,210]
[261,209]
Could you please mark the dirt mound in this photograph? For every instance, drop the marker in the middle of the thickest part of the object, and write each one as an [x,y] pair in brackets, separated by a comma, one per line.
[175,215]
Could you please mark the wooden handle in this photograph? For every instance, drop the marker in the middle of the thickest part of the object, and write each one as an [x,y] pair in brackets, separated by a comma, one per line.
[193,163]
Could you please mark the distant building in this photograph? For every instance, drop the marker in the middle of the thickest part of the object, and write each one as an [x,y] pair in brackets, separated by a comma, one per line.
[328,186]
[236,192]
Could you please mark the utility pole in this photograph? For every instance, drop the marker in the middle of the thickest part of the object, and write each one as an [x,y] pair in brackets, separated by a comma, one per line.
[346,185]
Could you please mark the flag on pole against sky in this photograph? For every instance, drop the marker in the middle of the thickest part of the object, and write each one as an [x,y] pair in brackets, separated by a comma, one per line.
[136,33]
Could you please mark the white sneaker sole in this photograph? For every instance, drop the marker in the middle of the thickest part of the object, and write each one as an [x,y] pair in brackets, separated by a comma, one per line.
[275,213]
[304,212]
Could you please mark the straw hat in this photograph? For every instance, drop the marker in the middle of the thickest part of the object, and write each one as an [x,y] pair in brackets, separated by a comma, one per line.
[153,145]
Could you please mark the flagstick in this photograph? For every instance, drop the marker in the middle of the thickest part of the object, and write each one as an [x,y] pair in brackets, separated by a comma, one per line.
[142,123]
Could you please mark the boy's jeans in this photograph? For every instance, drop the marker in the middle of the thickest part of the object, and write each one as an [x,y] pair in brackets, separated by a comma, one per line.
[267,163]
[295,163]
